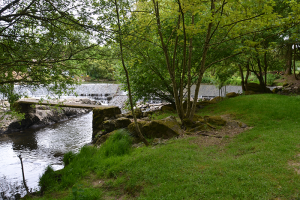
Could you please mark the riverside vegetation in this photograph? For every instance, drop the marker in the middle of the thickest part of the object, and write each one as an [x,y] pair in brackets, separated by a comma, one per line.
[260,163]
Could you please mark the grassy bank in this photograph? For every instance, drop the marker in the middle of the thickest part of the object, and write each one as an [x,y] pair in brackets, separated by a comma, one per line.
[259,163]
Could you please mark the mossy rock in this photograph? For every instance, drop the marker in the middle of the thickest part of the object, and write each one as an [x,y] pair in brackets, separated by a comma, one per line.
[108,126]
[166,128]
[249,92]
[275,90]
[231,94]
[100,113]
[132,129]
[204,103]
[188,122]
[285,84]
[198,127]
[138,113]
[168,107]
[122,122]
[198,118]
[103,138]
[216,99]
[215,120]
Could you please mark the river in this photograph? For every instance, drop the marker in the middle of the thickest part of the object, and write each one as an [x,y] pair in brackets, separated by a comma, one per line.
[39,148]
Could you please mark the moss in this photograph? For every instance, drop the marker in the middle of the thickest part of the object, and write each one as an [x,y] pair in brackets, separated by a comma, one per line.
[166,128]
[231,94]
[132,129]
[216,99]
[216,120]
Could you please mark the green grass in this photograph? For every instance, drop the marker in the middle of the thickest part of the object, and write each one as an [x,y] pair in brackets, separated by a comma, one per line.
[253,165]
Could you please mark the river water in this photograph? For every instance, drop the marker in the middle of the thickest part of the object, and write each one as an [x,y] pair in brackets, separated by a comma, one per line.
[39,148]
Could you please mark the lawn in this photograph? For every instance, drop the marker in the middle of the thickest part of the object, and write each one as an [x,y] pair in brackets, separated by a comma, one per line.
[259,163]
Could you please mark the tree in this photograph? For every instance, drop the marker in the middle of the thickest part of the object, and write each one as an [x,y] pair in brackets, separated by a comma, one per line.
[41,43]
[120,41]
[192,36]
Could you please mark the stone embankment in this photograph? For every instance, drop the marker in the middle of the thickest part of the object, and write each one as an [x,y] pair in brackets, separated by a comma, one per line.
[41,115]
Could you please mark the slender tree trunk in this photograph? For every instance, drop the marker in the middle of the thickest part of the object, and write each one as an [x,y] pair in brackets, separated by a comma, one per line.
[288,58]
[259,75]
[188,110]
[265,67]
[202,65]
[184,57]
[242,78]
[171,70]
[295,51]
[127,78]
[247,75]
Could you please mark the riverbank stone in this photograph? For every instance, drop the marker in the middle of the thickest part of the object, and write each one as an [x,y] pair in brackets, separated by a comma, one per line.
[231,94]
[165,128]
[100,113]
[215,120]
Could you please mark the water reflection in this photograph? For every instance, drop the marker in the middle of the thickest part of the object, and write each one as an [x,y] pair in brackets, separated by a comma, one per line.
[40,148]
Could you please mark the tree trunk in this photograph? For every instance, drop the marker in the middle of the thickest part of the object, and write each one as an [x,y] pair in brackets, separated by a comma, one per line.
[127,79]
[188,110]
[177,97]
[242,78]
[202,65]
[288,66]
[247,76]
[295,51]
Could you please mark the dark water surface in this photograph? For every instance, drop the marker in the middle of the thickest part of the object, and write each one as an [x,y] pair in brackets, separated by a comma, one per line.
[39,148]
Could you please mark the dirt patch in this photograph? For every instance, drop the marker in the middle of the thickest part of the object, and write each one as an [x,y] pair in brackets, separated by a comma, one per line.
[295,164]
[217,137]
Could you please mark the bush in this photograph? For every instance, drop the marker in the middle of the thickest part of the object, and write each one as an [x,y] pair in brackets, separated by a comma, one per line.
[118,144]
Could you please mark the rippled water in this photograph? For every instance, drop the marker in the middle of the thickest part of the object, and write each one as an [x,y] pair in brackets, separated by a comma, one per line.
[40,148]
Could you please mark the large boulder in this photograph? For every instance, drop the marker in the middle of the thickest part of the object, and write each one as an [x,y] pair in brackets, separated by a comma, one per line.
[215,120]
[166,128]
[216,99]
[132,129]
[111,125]
[231,94]
[100,113]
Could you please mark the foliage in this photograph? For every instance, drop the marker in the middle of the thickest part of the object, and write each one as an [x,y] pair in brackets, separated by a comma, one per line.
[101,63]
[41,44]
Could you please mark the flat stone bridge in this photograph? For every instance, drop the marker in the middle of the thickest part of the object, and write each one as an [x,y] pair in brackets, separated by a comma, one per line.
[99,111]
